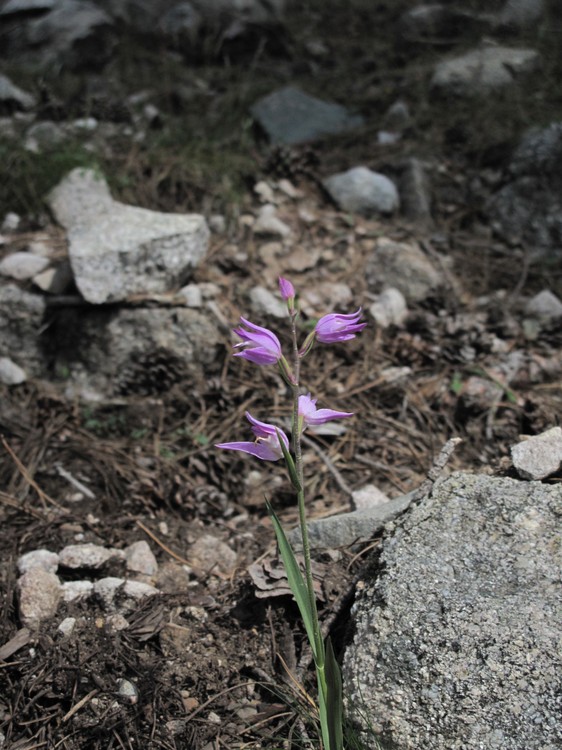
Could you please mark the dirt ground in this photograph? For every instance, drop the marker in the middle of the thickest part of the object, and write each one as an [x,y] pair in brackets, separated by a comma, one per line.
[209,658]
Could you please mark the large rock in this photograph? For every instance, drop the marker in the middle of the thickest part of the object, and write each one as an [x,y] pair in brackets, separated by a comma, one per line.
[483,71]
[403,266]
[117,250]
[529,205]
[456,644]
[289,116]
[133,351]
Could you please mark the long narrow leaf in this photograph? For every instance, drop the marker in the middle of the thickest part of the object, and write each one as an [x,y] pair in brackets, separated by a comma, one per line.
[334,698]
[295,578]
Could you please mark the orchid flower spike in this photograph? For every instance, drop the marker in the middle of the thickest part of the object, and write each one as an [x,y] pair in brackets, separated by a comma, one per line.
[309,415]
[261,345]
[266,446]
[337,327]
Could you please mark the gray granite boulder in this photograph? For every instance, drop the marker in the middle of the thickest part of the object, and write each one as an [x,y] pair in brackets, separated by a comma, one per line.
[456,642]
[116,250]
[290,116]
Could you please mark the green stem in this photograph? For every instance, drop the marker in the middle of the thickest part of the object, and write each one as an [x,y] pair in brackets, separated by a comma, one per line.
[297,449]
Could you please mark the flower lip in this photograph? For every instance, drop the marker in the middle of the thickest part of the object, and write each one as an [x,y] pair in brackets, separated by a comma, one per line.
[338,327]
[261,345]
[266,446]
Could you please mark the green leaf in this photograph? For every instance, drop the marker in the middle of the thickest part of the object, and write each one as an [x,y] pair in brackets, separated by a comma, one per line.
[296,580]
[334,698]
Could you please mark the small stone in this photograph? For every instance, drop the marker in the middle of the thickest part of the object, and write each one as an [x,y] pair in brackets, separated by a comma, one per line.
[87,556]
[268,222]
[404,266]
[138,590]
[191,295]
[39,596]
[139,558]
[545,305]
[264,191]
[10,373]
[172,578]
[368,496]
[43,136]
[127,691]
[11,222]
[390,308]
[38,558]
[217,224]
[22,266]
[209,554]
[73,591]
[360,190]
[67,626]
[265,302]
[539,456]
[106,588]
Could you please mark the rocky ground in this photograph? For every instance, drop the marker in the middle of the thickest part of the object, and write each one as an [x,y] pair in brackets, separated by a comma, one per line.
[171,626]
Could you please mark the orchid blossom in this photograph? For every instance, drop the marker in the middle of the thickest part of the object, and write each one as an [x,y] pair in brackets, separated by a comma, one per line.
[266,446]
[309,415]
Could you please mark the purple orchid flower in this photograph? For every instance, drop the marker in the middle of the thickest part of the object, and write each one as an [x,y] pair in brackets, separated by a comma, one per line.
[261,345]
[266,446]
[309,415]
[337,327]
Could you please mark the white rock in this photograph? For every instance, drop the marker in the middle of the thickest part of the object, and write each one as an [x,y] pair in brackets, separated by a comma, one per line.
[77,590]
[87,555]
[363,191]
[539,456]
[217,224]
[390,308]
[67,625]
[116,623]
[368,496]
[264,191]
[38,558]
[10,373]
[117,250]
[139,558]
[265,302]
[22,266]
[39,596]
[268,222]
[544,305]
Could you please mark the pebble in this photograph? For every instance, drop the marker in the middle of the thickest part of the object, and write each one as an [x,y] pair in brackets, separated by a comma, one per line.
[38,558]
[127,691]
[73,591]
[67,625]
[10,373]
[539,456]
[11,222]
[22,266]
[116,623]
[106,588]
[139,558]
[390,308]
[54,280]
[360,190]
[209,553]
[77,556]
[39,596]
[267,222]
[544,305]
[265,302]
[191,295]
